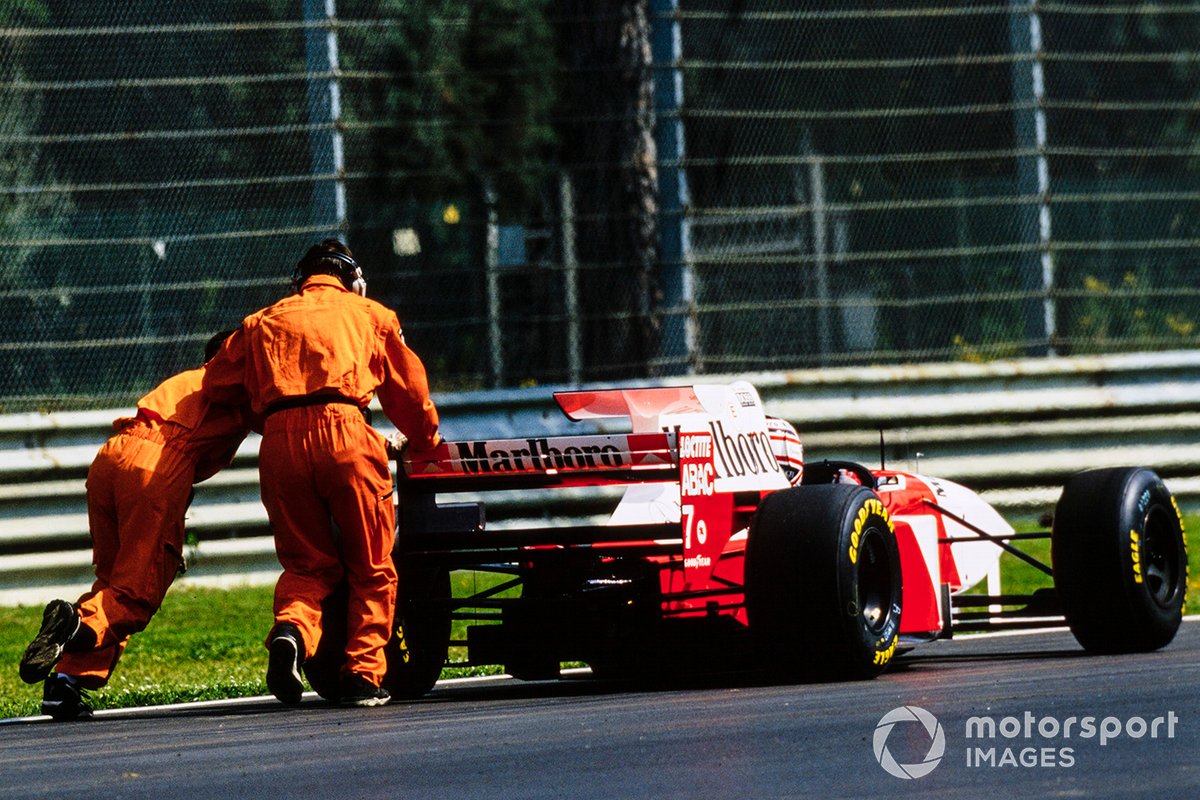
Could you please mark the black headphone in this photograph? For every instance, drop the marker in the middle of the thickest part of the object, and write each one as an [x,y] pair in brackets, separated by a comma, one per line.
[350,275]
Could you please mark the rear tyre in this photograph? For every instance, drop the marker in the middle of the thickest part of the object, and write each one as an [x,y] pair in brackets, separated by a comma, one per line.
[323,668]
[420,639]
[1120,561]
[417,649]
[823,583]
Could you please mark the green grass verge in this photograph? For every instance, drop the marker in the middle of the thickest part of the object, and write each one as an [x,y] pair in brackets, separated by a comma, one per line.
[204,644]
[1017,577]
[207,644]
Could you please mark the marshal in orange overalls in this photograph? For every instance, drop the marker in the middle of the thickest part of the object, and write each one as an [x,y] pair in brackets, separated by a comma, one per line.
[310,363]
[138,488]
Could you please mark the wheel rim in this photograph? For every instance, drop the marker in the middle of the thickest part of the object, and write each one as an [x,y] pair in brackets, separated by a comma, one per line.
[874,580]
[1161,557]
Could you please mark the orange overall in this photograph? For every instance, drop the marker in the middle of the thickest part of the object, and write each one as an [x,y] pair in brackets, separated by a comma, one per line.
[138,489]
[309,363]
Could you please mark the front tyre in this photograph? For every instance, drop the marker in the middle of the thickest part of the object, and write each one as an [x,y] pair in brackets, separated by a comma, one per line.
[823,582]
[1119,554]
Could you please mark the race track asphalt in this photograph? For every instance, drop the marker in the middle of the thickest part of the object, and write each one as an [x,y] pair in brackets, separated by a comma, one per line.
[733,737]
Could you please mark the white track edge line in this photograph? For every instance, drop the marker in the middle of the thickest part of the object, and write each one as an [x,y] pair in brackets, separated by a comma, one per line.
[242,701]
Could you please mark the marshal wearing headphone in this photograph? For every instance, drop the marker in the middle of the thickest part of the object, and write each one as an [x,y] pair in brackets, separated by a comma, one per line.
[321,260]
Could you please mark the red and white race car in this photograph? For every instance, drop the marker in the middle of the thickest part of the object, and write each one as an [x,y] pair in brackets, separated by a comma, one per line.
[727,550]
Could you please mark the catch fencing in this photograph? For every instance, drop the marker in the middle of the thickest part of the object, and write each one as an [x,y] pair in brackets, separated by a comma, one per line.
[598,190]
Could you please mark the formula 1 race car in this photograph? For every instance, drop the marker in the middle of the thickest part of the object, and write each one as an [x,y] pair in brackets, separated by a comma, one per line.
[727,550]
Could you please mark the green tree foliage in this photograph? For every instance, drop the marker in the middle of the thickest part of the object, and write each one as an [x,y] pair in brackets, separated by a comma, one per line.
[405,66]
[503,95]
[22,12]
[1126,102]
[24,215]
[608,145]
[27,216]
[467,95]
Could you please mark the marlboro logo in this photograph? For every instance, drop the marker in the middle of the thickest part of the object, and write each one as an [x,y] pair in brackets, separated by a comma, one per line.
[536,455]
[743,453]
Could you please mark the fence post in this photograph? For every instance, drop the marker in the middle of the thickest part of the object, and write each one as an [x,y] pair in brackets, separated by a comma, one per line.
[820,239]
[324,114]
[566,207]
[680,340]
[1033,174]
[491,265]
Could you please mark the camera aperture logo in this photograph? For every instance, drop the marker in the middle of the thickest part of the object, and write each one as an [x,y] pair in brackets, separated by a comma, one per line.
[909,717]
[1025,741]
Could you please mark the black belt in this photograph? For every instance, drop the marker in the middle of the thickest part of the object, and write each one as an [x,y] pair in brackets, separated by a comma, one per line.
[306,400]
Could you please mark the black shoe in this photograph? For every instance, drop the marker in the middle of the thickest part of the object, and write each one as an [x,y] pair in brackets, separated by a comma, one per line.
[63,699]
[283,668]
[359,691]
[60,621]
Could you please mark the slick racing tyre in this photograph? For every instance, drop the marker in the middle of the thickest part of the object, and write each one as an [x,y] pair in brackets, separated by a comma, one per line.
[417,649]
[323,667]
[420,639]
[1120,560]
[823,583]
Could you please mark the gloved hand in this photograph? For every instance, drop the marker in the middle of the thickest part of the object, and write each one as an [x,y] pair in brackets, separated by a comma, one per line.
[396,444]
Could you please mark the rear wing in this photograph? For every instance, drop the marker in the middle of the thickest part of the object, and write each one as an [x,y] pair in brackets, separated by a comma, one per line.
[730,415]
[645,408]
[550,460]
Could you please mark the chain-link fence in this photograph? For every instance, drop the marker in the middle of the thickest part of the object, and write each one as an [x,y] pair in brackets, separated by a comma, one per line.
[597,189]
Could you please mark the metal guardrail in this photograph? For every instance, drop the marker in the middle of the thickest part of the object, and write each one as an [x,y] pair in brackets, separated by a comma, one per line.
[1012,430]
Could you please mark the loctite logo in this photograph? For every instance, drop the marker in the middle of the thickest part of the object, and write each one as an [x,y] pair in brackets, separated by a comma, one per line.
[742,454]
[476,458]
